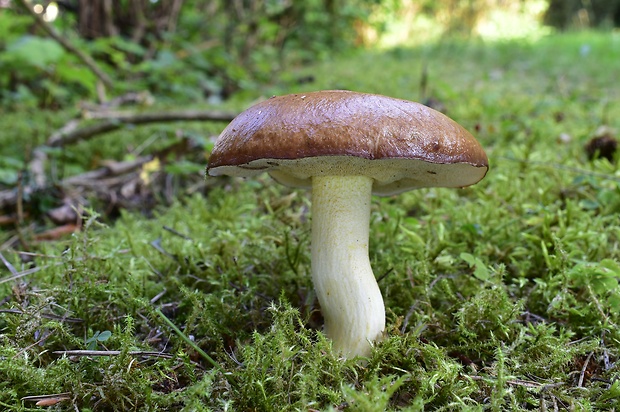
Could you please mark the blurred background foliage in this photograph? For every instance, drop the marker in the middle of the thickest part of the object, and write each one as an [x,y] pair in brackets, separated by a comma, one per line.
[207,50]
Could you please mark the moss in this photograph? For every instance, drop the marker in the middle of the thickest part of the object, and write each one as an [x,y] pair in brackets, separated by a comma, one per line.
[501,296]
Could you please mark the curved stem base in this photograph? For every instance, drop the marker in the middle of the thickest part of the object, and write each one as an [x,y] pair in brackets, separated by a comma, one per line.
[350,298]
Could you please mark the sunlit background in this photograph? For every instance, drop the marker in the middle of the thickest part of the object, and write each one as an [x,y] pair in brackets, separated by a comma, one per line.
[409,22]
[209,50]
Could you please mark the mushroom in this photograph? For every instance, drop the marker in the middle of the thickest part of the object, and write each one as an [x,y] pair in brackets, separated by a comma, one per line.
[346,146]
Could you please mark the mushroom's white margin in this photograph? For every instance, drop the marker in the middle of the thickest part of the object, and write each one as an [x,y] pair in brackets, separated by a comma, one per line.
[346,287]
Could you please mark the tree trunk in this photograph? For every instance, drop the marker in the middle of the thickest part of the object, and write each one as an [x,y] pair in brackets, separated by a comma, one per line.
[133,19]
[96,19]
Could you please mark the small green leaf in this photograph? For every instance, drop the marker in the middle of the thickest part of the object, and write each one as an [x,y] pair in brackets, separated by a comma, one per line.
[481,272]
[91,343]
[602,283]
[614,302]
[469,258]
[103,336]
[413,236]
[611,266]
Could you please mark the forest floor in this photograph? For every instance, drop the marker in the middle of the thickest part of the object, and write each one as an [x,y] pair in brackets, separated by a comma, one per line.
[193,294]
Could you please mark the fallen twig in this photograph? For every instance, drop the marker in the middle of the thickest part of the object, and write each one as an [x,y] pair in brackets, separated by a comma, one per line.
[584,369]
[10,197]
[27,348]
[8,265]
[521,382]
[176,232]
[69,135]
[115,181]
[111,353]
[158,296]
[57,232]
[109,170]
[45,316]
[48,400]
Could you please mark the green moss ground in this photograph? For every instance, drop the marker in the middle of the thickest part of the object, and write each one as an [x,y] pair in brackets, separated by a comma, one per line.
[501,296]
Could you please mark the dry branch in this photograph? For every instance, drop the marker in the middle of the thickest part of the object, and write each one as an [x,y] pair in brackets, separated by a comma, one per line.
[10,197]
[118,183]
[44,315]
[111,353]
[71,135]
[48,400]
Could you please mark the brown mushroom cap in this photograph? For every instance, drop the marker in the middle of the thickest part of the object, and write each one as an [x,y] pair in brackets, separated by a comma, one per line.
[402,145]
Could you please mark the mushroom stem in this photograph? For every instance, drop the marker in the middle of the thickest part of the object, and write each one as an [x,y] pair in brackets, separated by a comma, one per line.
[350,298]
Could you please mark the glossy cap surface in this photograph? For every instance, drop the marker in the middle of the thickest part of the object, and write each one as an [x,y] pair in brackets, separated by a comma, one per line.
[402,145]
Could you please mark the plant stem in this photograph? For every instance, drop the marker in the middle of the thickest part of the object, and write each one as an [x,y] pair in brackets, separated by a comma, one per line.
[230,378]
